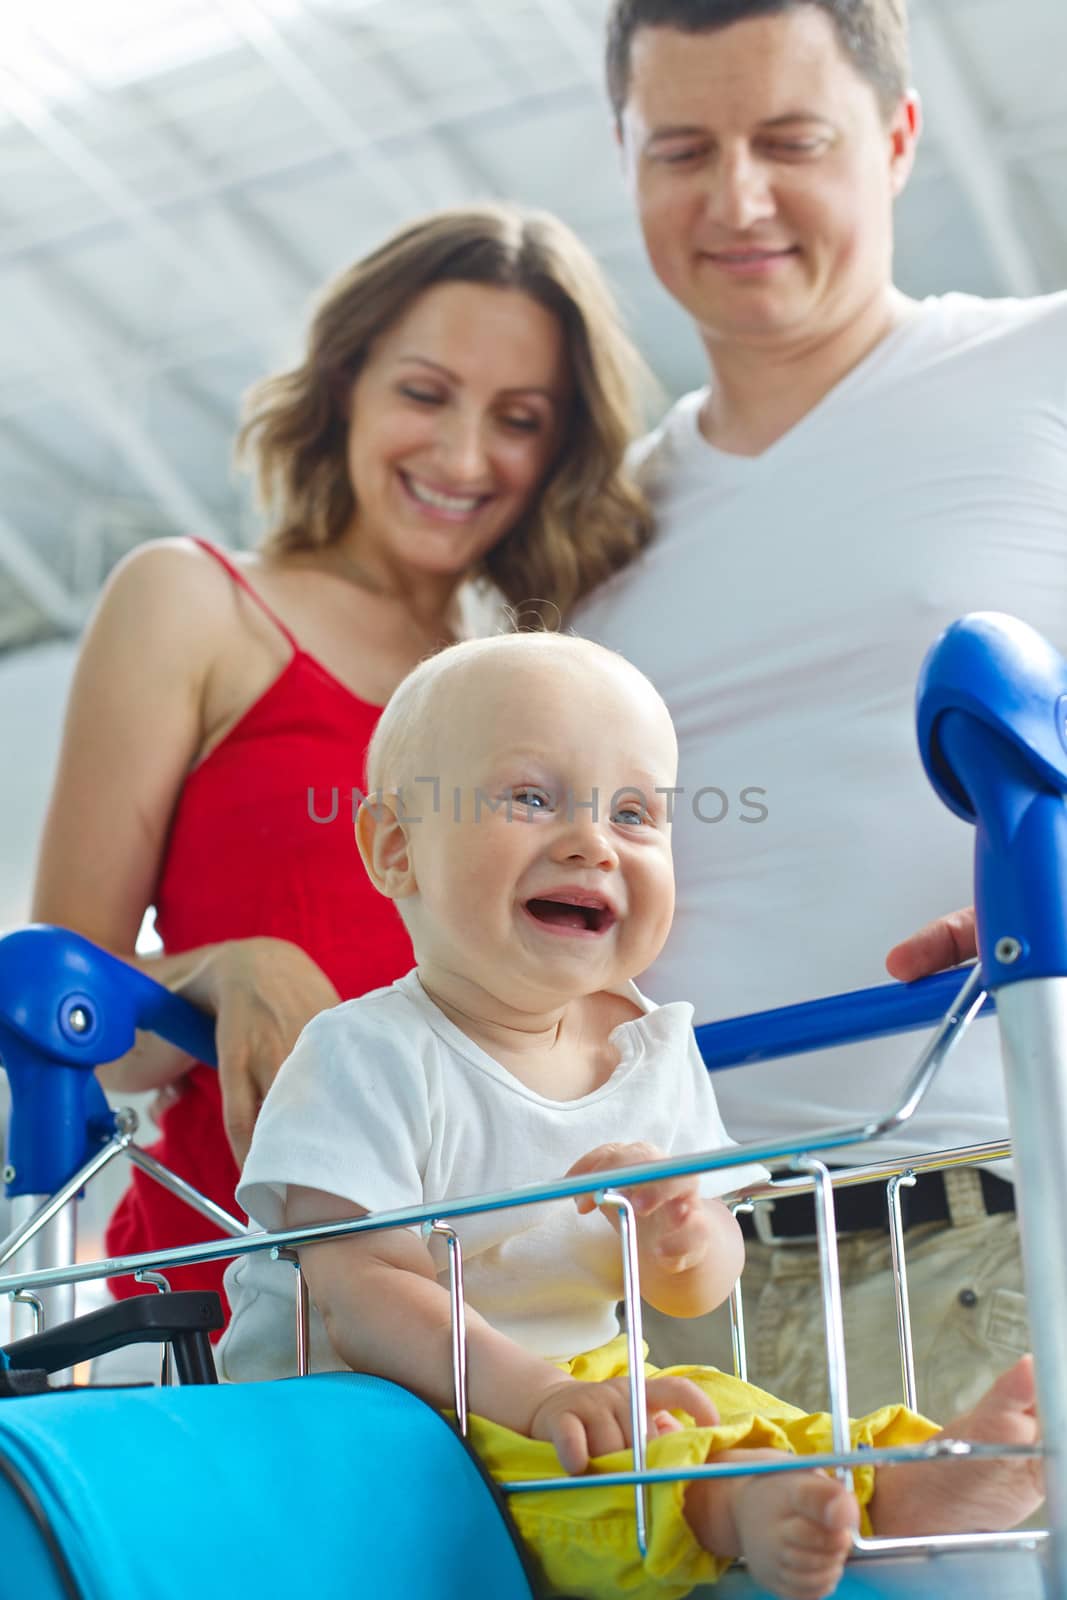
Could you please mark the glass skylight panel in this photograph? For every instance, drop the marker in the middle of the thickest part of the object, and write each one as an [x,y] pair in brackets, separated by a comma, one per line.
[114,42]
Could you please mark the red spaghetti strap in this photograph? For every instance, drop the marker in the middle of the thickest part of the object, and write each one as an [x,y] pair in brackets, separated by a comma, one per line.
[242,583]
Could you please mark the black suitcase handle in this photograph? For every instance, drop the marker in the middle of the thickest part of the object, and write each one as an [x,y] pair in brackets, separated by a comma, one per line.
[183,1320]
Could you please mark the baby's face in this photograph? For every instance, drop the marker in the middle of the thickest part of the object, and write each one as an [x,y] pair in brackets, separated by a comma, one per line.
[546,872]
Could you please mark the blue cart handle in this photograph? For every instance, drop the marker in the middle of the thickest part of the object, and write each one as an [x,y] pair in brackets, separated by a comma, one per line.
[992,725]
[79,1004]
[66,1006]
[821,1024]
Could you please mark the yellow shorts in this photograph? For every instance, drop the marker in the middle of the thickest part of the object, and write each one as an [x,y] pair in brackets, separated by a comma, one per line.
[584,1540]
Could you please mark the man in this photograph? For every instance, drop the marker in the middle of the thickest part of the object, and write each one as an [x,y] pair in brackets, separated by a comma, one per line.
[861,470]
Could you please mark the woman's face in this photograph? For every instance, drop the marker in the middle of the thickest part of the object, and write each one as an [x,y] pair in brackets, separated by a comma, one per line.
[454,422]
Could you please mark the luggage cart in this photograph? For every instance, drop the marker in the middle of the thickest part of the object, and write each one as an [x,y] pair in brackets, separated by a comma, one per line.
[993,735]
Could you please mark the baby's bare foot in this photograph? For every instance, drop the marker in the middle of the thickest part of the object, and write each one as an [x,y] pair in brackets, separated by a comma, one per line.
[795,1532]
[969,1496]
[794,1529]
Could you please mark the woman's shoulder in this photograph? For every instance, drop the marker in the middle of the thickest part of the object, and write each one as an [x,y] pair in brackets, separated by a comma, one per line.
[171,569]
[161,604]
[170,595]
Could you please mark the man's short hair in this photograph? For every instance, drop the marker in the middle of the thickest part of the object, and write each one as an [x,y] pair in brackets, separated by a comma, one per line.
[873,34]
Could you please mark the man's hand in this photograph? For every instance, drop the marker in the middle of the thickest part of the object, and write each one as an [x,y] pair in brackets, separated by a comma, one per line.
[584,1420]
[941,944]
[673,1228]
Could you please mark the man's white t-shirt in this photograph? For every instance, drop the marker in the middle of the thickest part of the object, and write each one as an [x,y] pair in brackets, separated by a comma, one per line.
[783,610]
[385,1102]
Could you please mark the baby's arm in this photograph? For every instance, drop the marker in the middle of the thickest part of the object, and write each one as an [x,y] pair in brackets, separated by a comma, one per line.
[386,1313]
[690,1250]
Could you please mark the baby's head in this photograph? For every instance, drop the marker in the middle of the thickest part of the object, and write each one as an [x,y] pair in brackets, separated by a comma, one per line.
[518,814]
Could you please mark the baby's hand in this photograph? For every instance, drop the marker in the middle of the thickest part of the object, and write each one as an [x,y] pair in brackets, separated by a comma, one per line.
[584,1419]
[672,1223]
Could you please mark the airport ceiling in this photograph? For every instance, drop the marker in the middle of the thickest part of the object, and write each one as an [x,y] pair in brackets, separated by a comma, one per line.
[177,177]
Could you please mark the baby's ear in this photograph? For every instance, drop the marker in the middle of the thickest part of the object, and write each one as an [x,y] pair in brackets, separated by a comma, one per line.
[385,846]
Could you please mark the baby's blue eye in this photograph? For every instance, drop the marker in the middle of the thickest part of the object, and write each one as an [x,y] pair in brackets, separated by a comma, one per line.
[534,799]
[632,813]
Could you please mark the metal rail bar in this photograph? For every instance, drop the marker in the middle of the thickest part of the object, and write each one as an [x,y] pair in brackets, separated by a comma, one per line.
[185,1191]
[968,1001]
[457,1317]
[900,1284]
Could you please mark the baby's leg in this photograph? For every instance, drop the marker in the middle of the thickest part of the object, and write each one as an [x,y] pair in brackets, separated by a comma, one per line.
[969,1496]
[793,1528]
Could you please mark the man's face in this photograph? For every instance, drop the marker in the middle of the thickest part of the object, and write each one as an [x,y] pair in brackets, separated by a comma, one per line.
[764,172]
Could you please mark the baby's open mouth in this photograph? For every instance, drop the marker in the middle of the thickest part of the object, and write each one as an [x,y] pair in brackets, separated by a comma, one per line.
[583,915]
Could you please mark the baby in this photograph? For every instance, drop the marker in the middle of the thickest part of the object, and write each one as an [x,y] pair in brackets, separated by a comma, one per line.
[520,820]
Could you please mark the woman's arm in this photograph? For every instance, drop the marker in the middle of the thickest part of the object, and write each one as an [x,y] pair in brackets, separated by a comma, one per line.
[132,728]
[135,724]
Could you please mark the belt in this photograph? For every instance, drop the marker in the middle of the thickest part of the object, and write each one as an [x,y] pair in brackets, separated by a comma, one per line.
[863,1206]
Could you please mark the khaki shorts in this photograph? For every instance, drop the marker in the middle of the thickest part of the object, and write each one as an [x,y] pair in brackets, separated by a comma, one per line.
[968,1313]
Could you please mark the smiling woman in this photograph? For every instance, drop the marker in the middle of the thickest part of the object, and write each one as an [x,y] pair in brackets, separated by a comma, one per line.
[453,420]
[462,410]
[471,367]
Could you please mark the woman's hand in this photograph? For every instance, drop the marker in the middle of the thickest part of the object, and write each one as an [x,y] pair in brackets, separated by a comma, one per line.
[583,1420]
[263,992]
[941,944]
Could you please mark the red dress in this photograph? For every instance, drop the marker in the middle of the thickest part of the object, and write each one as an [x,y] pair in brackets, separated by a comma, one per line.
[261,843]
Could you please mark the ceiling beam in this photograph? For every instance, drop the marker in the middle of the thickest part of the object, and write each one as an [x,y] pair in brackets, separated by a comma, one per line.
[211,280]
[251,21]
[39,585]
[49,463]
[582,42]
[465,120]
[250,249]
[451,150]
[100,325]
[500,41]
[89,387]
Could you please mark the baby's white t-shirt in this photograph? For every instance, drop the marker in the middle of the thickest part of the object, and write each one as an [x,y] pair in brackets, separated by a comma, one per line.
[385,1102]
